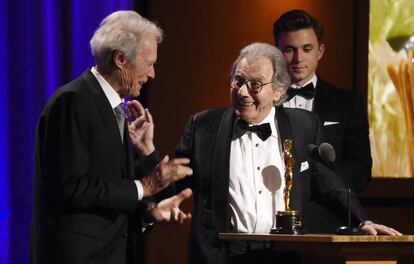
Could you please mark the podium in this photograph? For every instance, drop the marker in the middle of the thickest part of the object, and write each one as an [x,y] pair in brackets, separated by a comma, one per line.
[338,249]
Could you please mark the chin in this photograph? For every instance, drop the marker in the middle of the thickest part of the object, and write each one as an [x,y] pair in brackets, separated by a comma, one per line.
[136,92]
[243,116]
[296,79]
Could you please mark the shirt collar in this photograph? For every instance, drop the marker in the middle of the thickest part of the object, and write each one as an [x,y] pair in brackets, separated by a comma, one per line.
[110,92]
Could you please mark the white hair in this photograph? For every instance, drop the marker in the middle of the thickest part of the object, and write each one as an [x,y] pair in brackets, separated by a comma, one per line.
[281,77]
[123,31]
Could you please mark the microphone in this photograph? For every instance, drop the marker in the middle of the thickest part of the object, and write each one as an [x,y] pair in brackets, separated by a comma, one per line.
[324,153]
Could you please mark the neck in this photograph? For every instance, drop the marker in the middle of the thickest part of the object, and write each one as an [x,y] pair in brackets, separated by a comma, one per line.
[111,76]
[301,83]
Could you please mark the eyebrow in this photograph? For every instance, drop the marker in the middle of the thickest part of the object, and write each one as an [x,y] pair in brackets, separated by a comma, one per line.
[302,46]
[308,45]
[258,77]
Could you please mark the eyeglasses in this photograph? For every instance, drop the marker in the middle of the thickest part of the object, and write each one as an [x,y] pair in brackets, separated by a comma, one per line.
[253,86]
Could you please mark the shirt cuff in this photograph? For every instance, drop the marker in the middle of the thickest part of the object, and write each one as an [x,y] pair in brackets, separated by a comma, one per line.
[140,190]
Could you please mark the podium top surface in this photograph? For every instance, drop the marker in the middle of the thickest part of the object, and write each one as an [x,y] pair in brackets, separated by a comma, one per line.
[331,238]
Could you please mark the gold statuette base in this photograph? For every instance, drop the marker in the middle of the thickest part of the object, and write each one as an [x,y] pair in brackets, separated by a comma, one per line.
[288,222]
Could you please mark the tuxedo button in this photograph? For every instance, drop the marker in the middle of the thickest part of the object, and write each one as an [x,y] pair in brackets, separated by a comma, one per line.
[257,145]
[258,168]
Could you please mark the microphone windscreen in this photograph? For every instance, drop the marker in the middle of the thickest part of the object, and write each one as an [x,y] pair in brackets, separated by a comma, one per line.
[326,152]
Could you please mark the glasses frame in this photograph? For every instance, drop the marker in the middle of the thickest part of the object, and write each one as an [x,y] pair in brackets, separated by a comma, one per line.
[247,83]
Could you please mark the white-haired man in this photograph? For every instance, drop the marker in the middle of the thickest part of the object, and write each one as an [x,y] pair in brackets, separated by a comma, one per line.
[89,184]
[237,156]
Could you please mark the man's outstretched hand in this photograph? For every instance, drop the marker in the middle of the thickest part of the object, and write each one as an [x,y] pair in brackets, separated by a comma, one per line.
[168,210]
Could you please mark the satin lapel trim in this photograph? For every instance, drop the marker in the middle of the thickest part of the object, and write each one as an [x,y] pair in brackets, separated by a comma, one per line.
[283,124]
[285,132]
[220,171]
[105,110]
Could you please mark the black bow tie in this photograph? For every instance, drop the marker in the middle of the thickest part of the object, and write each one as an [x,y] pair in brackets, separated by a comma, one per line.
[306,91]
[263,131]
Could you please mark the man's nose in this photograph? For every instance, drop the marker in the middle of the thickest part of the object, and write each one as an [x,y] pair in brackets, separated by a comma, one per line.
[151,72]
[298,56]
[243,90]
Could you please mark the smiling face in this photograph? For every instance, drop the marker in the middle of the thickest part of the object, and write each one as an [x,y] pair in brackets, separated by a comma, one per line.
[302,53]
[137,72]
[254,107]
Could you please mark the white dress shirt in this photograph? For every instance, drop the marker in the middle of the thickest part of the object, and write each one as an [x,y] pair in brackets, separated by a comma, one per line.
[114,100]
[299,101]
[256,180]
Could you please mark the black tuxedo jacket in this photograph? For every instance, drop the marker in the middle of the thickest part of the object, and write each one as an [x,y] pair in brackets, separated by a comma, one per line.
[345,127]
[86,204]
[206,141]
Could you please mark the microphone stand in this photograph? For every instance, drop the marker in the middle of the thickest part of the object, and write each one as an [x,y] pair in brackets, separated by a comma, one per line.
[348,229]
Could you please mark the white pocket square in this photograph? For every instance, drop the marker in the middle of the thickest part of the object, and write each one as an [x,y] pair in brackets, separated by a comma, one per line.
[304,166]
[330,123]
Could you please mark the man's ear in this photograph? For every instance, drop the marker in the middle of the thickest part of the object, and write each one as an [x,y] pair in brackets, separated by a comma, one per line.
[278,94]
[119,59]
[321,51]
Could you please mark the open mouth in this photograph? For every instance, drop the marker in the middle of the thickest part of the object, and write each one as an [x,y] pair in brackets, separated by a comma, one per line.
[245,104]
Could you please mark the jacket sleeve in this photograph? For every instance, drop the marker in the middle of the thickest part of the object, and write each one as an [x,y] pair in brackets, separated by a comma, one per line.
[334,193]
[185,149]
[145,165]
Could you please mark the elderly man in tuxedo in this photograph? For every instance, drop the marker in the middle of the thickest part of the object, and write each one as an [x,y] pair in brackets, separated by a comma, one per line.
[90,180]
[236,156]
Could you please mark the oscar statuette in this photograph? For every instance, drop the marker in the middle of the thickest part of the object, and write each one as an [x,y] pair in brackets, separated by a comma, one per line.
[289,220]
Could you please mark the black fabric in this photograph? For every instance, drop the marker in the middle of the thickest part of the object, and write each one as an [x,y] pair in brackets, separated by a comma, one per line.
[263,131]
[349,136]
[86,208]
[207,142]
[307,91]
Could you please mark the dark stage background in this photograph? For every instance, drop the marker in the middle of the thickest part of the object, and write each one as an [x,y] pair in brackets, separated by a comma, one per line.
[45,43]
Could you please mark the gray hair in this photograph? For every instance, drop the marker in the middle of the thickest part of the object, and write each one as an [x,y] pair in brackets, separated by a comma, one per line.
[123,31]
[281,77]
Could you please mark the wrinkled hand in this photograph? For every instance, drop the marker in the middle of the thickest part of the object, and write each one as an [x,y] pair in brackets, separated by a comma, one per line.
[370,228]
[140,127]
[167,172]
[168,210]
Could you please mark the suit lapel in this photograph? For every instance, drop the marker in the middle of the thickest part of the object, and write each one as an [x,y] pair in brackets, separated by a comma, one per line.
[282,120]
[105,111]
[320,106]
[285,132]
[220,171]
